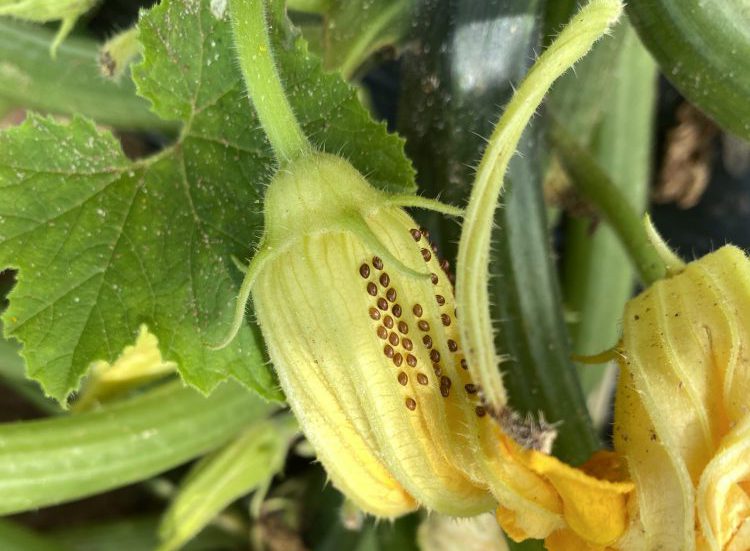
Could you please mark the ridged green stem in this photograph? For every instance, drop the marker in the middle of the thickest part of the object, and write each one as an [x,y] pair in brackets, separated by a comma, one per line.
[55,460]
[474,248]
[263,81]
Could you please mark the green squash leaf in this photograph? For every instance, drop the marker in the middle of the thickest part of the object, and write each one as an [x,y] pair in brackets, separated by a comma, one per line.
[104,244]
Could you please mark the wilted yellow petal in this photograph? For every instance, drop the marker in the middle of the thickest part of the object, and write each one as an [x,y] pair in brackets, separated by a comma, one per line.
[589,502]
[359,320]
[595,509]
[529,506]
[519,525]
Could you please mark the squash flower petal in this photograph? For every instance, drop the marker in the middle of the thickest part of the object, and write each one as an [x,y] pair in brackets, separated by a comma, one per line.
[592,510]
[682,419]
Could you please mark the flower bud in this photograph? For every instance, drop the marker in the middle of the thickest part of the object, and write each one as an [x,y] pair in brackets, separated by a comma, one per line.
[359,318]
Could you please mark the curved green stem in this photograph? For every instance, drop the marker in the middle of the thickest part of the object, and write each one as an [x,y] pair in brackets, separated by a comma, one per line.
[472,295]
[263,82]
[595,185]
[672,262]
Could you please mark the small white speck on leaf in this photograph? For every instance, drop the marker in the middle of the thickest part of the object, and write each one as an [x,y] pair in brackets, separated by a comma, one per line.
[218,7]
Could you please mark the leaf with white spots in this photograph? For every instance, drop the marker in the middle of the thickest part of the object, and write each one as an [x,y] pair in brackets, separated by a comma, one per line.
[104,244]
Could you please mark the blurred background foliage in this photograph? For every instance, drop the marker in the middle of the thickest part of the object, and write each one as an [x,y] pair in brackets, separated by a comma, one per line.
[659,110]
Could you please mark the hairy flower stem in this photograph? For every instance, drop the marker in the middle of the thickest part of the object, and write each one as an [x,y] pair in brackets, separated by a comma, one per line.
[472,295]
[263,81]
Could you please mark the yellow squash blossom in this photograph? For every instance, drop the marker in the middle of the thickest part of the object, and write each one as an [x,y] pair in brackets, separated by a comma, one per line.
[359,318]
[682,419]
[360,322]
[682,424]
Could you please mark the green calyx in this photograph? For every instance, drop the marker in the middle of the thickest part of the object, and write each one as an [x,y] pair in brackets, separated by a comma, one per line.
[319,193]
[315,194]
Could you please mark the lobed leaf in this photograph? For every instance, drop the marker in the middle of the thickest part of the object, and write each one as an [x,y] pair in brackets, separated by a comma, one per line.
[104,244]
